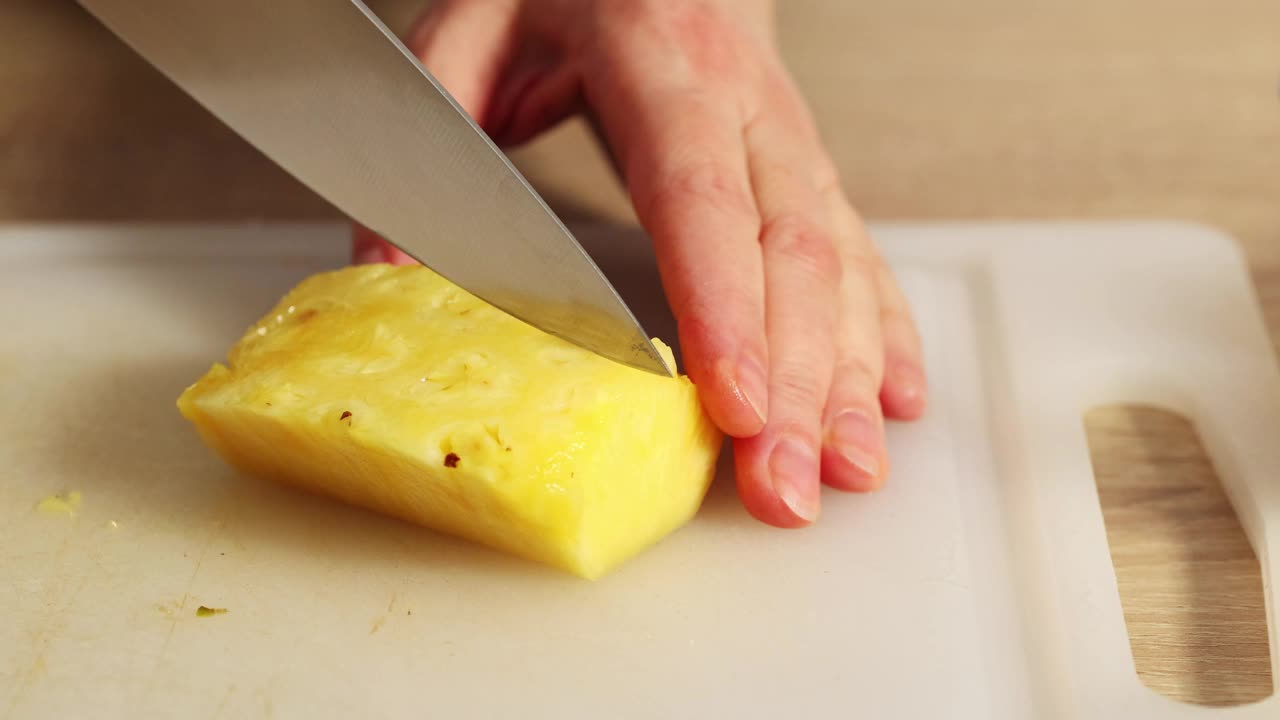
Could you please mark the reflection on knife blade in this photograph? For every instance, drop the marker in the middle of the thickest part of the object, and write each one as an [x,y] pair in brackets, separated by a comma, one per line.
[324,89]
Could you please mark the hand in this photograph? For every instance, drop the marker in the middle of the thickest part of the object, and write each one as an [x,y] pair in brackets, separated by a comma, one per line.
[793,328]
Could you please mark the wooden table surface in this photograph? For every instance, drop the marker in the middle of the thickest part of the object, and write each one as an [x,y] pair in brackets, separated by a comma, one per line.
[933,109]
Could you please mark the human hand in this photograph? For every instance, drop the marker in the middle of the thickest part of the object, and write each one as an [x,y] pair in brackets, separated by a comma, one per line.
[792,327]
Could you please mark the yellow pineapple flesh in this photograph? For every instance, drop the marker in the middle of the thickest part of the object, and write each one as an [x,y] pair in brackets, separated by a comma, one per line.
[393,389]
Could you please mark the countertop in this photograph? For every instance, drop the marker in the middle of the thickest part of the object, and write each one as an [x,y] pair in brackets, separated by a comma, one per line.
[988,109]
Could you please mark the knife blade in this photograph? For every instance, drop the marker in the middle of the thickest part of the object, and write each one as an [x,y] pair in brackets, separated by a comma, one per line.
[326,91]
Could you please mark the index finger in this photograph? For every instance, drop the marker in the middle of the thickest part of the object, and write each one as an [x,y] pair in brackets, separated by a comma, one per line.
[687,174]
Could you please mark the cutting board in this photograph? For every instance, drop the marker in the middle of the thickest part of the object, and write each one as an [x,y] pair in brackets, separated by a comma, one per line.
[978,584]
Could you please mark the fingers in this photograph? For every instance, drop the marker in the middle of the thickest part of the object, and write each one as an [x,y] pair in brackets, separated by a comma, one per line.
[792,326]
[692,192]
[903,388]
[832,314]
[853,448]
[368,248]
[779,470]
[535,97]
[467,47]
[904,391]
[688,179]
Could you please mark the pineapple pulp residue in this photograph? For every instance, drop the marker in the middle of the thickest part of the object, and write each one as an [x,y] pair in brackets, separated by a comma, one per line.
[65,504]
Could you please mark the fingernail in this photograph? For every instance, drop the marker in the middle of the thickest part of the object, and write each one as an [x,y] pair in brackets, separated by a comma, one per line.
[794,469]
[752,384]
[858,439]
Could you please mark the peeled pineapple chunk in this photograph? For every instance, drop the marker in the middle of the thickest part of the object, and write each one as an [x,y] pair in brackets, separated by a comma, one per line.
[393,389]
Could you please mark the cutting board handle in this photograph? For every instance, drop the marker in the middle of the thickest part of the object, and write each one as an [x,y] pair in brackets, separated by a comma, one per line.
[1079,333]
[1229,385]
[1241,432]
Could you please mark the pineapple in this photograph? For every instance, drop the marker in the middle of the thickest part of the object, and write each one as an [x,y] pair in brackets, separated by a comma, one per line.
[393,389]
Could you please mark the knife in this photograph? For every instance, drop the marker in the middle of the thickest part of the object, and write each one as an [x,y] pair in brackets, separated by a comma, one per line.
[325,90]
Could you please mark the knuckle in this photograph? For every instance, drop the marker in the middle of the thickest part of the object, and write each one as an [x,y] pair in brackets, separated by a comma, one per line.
[863,268]
[719,308]
[778,173]
[699,28]
[796,387]
[706,178]
[704,182]
[857,379]
[700,33]
[787,105]
[806,245]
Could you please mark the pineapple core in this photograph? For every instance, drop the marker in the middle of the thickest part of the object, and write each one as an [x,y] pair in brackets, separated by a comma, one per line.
[393,389]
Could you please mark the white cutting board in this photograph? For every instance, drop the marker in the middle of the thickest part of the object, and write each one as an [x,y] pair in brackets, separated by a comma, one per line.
[978,584]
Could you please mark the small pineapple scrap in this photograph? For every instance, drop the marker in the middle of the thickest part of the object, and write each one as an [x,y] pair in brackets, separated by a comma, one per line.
[393,389]
[65,504]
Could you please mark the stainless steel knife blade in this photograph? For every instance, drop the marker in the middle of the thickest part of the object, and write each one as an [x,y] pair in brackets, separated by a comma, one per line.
[324,89]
